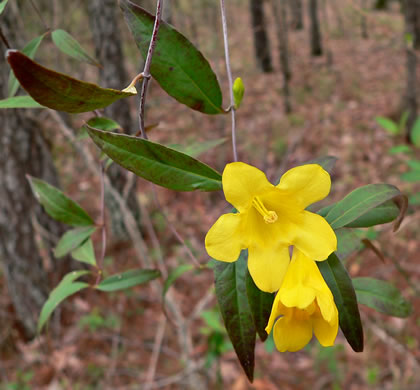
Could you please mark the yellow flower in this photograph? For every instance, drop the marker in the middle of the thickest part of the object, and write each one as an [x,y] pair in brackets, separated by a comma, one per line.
[270,219]
[306,305]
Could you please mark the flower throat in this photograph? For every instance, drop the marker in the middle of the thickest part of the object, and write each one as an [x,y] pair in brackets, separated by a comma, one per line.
[269,216]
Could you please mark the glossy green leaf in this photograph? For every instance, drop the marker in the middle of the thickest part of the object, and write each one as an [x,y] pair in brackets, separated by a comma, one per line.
[415,133]
[230,281]
[173,276]
[338,280]
[30,50]
[127,279]
[58,205]
[2,5]
[381,296]
[19,102]
[260,303]
[68,45]
[57,90]
[157,163]
[85,253]
[359,202]
[72,240]
[238,92]
[64,289]
[326,162]
[101,123]
[348,242]
[197,148]
[387,124]
[384,213]
[179,68]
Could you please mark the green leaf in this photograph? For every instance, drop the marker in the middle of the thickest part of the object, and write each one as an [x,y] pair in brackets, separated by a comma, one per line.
[72,240]
[179,68]
[57,205]
[102,123]
[338,280]
[197,148]
[260,303]
[174,275]
[400,149]
[384,213]
[127,279]
[381,296]
[411,176]
[68,45]
[415,133]
[236,312]
[414,164]
[30,50]
[347,242]
[157,163]
[19,102]
[389,125]
[359,202]
[415,199]
[2,5]
[64,289]
[57,90]
[238,92]
[85,253]
[326,162]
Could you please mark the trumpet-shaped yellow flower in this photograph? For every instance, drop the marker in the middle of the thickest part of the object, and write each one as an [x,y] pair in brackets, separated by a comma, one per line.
[306,305]
[270,219]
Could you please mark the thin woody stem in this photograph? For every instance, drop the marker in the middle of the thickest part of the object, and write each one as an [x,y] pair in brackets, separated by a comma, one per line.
[146,70]
[229,74]
[39,15]
[4,39]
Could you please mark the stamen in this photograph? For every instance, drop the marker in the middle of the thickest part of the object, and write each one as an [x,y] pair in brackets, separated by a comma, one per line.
[268,215]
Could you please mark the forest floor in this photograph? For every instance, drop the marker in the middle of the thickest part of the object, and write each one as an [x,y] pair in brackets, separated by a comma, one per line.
[105,341]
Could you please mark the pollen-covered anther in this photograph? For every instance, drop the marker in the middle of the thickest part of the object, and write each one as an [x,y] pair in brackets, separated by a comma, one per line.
[269,216]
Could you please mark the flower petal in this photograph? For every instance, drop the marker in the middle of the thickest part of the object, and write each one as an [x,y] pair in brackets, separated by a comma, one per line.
[307,184]
[268,265]
[242,182]
[314,236]
[224,239]
[291,334]
[325,332]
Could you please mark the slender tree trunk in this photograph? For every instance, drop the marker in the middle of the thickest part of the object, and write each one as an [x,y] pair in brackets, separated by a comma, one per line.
[381,4]
[296,7]
[315,31]
[412,27]
[261,41]
[108,47]
[23,150]
[280,15]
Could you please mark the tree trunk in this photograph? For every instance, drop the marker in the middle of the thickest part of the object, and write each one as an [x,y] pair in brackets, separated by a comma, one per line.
[281,27]
[108,47]
[23,150]
[296,7]
[315,32]
[412,27]
[381,4]
[261,41]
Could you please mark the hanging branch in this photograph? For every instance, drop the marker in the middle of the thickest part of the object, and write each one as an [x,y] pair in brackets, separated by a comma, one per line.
[229,74]
[146,70]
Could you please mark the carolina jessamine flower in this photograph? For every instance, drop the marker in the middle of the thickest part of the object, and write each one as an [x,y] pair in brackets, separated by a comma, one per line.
[270,219]
[306,305]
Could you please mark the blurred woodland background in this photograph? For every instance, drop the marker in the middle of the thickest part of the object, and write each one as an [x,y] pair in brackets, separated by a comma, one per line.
[317,73]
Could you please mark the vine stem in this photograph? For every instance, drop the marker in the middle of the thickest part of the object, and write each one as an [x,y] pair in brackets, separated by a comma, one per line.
[229,74]
[146,70]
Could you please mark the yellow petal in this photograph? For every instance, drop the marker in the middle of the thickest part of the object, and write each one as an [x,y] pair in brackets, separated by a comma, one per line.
[314,236]
[291,334]
[267,266]
[275,312]
[325,333]
[224,240]
[307,184]
[242,182]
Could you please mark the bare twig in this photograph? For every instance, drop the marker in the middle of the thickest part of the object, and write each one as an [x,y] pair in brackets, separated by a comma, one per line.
[4,39]
[229,74]
[146,70]
[155,353]
[39,15]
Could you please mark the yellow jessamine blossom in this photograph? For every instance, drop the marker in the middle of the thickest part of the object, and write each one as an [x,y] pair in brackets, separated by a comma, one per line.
[270,219]
[306,305]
